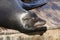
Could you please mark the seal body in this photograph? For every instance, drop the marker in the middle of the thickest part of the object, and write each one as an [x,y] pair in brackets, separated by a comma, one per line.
[13,16]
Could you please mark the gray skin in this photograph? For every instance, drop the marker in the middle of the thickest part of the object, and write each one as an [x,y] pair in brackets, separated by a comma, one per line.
[13,16]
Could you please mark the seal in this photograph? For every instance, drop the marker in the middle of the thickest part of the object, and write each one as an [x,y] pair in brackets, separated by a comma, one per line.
[14,16]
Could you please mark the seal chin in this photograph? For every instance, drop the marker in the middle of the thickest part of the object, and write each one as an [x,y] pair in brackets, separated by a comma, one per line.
[29,28]
[33,27]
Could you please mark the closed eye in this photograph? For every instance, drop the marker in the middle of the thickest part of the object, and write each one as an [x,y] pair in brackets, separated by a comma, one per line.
[26,18]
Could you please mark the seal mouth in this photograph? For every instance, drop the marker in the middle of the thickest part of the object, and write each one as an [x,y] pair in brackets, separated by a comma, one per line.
[39,24]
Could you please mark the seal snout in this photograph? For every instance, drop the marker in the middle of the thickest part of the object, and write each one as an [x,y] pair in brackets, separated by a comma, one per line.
[40,23]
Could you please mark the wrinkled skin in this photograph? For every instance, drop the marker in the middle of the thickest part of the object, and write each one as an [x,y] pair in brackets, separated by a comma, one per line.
[32,21]
[13,16]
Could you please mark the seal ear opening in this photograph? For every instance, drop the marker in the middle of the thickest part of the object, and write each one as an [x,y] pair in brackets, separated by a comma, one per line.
[33,4]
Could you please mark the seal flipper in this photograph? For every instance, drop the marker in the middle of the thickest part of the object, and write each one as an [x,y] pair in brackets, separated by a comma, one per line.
[33,4]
